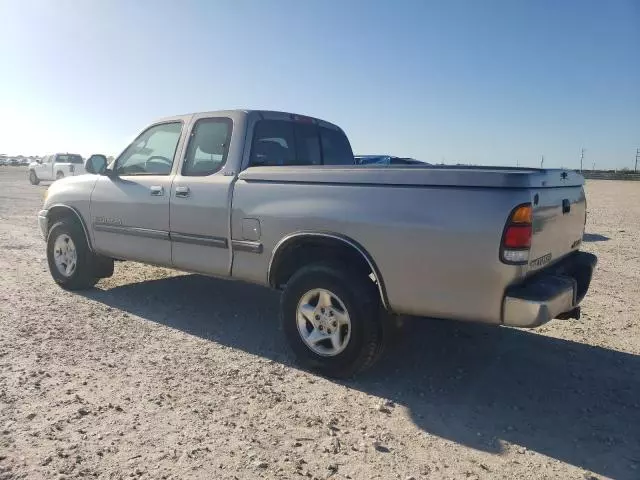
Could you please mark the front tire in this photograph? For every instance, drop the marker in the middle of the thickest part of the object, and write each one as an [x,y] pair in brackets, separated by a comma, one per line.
[70,260]
[33,178]
[59,175]
[332,321]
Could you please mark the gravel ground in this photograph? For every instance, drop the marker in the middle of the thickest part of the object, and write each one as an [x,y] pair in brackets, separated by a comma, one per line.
[157,374]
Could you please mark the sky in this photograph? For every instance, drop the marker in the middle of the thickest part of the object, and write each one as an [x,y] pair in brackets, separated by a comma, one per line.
[498,82]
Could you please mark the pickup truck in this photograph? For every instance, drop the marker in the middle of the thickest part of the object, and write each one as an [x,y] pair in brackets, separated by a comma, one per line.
[55,167]
[277,199]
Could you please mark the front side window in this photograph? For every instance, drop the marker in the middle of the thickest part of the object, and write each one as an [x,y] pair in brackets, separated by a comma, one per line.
[208,147]
[152,152]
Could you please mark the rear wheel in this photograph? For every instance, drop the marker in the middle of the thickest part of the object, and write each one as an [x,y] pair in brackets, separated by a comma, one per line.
[59,175]
[70,260]
[33,178]
[331,319]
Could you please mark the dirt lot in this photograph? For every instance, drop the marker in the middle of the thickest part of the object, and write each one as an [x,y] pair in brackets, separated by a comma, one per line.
[156,374]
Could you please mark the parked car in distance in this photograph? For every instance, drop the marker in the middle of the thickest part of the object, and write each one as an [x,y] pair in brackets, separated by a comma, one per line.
[386,160]
[55,167]
[276,199]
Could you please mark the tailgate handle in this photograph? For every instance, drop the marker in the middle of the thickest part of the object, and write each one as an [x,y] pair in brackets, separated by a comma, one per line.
[566,206]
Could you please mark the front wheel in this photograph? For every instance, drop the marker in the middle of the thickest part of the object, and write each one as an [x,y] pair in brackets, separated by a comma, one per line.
[331,319]
[69,258]
[59,175]
[33,178]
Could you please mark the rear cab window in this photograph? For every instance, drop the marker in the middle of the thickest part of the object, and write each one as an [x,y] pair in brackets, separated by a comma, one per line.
[283,142]
[68,158]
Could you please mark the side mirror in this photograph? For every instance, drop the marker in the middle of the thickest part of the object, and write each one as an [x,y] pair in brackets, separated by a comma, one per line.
[96,164]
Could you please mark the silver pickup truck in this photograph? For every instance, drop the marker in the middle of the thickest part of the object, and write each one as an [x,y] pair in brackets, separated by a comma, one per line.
[276,199]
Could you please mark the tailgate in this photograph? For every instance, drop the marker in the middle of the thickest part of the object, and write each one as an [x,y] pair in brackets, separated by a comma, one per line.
[559,216]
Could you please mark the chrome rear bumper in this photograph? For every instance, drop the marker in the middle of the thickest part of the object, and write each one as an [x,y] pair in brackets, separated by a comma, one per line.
[550,293]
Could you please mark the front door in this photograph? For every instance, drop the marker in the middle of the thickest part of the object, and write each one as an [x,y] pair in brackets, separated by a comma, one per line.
[130,207]
[200,200]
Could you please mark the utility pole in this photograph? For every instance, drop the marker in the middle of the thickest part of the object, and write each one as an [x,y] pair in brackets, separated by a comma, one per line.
[581,158]
[637,157]
[542,162]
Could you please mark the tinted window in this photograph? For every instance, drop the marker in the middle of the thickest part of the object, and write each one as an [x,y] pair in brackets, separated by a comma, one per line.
[208,147]
[335,147]
[307,144]
[152,152]
[281,142]
[273,143]
[69,158]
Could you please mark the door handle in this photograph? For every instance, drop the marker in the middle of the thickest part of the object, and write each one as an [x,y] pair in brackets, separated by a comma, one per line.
[182,192]
[156,190]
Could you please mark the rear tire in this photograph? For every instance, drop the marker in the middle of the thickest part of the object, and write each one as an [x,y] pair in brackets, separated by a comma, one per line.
[33,178]
[355,295]
[70,260]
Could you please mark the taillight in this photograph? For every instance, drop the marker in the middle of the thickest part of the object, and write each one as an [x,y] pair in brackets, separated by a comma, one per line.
[517,236]
[516,239]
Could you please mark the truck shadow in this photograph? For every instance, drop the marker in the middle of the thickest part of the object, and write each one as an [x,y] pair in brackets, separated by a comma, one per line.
[594,237]
[476,385]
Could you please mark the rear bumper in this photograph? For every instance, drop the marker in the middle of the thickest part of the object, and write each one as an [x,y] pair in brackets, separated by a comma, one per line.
[550,293]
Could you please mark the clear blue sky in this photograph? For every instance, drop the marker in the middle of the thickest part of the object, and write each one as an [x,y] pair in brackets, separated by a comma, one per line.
[485,82]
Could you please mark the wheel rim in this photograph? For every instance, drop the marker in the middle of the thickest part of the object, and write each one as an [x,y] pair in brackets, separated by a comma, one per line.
[323,322]
[32,175]
[65,255]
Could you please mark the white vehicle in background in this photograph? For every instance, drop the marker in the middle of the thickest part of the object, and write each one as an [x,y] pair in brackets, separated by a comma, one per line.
[55,167]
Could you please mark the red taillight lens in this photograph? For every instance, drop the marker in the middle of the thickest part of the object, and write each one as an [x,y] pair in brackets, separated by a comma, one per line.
[518,236]
[516,241]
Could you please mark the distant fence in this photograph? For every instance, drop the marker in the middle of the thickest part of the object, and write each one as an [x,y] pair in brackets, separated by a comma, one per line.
[610,175]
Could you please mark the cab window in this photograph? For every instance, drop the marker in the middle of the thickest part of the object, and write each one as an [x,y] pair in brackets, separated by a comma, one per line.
[152,152]
[281,142]
[208,147]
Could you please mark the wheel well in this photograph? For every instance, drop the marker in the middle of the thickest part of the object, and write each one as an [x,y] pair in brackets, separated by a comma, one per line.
[58,213]
[304,250]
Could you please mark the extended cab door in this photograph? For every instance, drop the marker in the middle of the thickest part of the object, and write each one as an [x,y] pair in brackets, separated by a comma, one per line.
[130,206]
[200,198]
